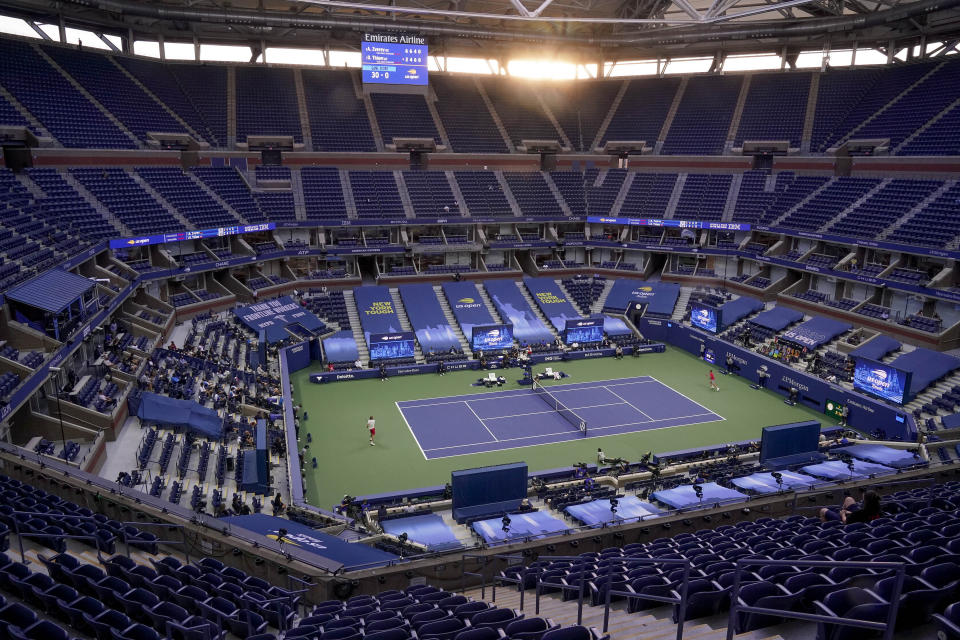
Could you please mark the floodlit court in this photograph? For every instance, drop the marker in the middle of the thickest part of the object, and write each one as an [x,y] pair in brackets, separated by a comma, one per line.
[478,423]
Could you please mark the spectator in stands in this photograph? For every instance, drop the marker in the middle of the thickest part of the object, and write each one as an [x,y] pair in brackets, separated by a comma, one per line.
[107,401]
[601,457]
[358,364]
[850,511]
[618,352]
[277,505]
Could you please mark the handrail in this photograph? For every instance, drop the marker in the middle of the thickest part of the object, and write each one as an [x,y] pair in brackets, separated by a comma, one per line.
[484,561]
[681,601]
[887,627]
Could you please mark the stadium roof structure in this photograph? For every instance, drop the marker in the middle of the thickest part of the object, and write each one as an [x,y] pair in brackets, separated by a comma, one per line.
[580,30]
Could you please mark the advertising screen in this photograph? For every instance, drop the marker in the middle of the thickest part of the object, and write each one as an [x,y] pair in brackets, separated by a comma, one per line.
[394,59]
[497,336]
[582,331]
[705,317]
[391,346]
[881,380]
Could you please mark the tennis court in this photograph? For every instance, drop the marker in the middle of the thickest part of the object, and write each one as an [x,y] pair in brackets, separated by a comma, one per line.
[477,423]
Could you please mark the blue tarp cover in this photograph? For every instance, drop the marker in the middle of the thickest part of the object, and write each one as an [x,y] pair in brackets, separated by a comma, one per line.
[427,318]
[777,318]
[311,540]
[184,413]
[375,306]
[535,524]
[615,326]
[553,302]
[926,366]
[52,291]
[514,309]
[876,348]
[467,306]
[597,512]
[763,482]
[272,317]
[341,347]
[685,497]
[660,297]
[734,310]
[837,470]
[816,331]
[881,454]
[429,530]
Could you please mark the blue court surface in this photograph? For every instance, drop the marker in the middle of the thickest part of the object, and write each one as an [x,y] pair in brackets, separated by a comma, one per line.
[477,423]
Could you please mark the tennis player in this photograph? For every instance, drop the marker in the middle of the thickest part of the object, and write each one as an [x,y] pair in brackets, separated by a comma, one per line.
[713,381]
[372,428]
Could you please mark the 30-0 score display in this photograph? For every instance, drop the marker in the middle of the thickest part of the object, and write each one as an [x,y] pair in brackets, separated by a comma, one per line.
[394,59]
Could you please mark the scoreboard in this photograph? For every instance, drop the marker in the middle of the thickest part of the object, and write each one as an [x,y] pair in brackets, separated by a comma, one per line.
[683,224]
[394,59]
[199,234]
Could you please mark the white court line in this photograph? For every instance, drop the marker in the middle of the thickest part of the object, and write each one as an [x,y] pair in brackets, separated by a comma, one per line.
[423,451]
[609,435]
[520,392]
[537,413]
[482,423]
[561,433]
[627,384]
[628,403]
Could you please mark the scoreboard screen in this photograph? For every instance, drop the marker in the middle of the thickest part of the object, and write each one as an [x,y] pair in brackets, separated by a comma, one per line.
[394,59]
[197,234]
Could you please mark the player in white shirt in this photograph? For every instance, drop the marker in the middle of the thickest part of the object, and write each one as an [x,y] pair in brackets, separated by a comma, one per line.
[372,428]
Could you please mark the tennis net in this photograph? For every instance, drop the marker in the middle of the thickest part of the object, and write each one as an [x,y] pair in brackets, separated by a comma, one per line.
[567,413]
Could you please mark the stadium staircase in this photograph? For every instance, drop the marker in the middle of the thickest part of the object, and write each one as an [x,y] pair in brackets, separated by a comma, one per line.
[431,100]
[536,308]
[853,132]
[556,193]
[730,206]
[296,185]
[926,126]
[602,129]
[302,109]
[493,114]
[216,197]
[597,306]
[675,196]
[561,134]
[46,139]
[231,107]
[95,203]
[508,194]
[173,114]
[810,196]
[457,194]
[404,194]
[452,320]
[671,114]
[355,327]
[737,113]
[854,206]
[405,322]
[348,201]
[153,193]
[622,194]
[371,112]
[920,206]
[680,309]
[492,308]
[86,94]
[810,116]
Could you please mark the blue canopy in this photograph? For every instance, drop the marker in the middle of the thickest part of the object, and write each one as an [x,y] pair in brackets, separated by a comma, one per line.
[183,413]
[777,318]
[52,291]
[815,332]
